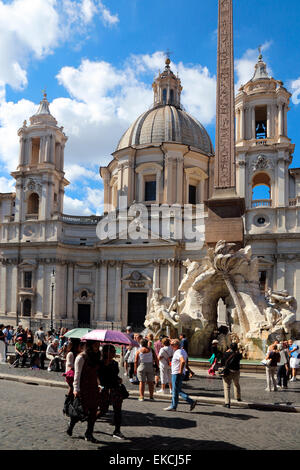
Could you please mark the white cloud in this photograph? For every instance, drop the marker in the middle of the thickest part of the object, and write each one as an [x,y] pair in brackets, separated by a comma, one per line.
[75,206]
[7,185]
[31,30]
[108,17]
[75,172]
[294,86]
[104,101]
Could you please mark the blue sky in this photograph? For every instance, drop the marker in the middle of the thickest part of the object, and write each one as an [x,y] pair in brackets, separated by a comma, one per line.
[97,60]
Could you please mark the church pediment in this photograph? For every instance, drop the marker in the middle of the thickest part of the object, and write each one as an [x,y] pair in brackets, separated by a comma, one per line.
[137,236]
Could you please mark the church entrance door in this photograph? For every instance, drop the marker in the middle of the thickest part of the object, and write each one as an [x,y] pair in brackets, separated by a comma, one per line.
[84,315]
[137,309]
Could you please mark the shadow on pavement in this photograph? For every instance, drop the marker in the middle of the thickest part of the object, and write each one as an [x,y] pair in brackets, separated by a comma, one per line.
[167,443]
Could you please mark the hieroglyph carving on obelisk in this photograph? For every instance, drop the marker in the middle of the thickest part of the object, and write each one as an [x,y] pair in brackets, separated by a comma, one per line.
[225,150]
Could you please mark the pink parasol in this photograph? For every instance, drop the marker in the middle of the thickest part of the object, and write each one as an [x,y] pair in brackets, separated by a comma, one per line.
[109,336]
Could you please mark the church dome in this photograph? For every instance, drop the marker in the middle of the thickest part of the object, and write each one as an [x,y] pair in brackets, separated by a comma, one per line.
[166,121]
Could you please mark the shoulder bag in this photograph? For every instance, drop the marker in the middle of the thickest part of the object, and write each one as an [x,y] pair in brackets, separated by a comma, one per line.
[224,371]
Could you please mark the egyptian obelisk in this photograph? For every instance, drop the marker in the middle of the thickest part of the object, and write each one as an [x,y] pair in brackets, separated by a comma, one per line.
[225,208]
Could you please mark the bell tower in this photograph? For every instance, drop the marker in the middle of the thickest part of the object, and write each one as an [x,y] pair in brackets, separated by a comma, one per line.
[39,176]
[264,150]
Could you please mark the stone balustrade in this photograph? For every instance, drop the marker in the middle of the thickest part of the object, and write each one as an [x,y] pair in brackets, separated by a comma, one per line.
[262,203]
[80,220]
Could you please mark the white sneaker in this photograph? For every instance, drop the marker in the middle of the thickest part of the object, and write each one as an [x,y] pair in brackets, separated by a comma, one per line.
[293,379]
[49,369]
[161,391]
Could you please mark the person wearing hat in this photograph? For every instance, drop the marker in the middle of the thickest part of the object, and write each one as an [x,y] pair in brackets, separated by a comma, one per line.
[52,354]
[21,352]
[215,357]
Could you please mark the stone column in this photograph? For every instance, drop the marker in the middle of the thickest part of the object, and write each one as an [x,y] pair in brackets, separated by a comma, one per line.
[47,149]
[42,149]
[280,119]
[281,197]
[237,125]
[156,273]
[28,150]
[39,290]
[242,124]
[103,290]
[70,292]
[180,176]
[52,148]
[285,131]
[97,293]
[253,124]
[118,292]
[168,199]
[269,121]
[280,274]
[170,280]
[22,151]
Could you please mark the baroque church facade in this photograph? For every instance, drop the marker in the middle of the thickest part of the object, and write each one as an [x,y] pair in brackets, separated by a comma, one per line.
[54,268]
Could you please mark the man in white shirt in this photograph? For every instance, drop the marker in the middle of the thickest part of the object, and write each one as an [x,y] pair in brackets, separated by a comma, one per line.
[179,361]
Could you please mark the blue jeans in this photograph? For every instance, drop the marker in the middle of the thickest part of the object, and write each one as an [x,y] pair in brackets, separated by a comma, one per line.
[176,391]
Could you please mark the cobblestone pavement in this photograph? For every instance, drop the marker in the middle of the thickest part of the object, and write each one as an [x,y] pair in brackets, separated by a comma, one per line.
[32,419]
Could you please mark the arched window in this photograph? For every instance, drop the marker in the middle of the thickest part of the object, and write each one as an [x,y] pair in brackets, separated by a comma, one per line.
[27,308]
[164,96]
[33,204]
[261,190]
[171,96]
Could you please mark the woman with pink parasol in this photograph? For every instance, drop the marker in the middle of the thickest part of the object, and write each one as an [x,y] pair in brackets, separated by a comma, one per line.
[85,386]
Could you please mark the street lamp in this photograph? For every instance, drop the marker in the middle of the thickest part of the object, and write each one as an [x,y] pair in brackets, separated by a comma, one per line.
[52,284]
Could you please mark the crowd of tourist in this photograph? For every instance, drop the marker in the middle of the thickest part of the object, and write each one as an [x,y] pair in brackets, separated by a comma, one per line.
[33,348]
[92,373]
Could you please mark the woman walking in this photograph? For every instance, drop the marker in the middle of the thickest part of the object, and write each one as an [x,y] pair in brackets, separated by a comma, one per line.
[85,386]
[111,392]
[144,369]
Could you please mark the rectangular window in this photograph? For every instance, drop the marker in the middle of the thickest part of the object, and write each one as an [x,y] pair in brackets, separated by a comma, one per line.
[192,194]
[150,190]
[28,279]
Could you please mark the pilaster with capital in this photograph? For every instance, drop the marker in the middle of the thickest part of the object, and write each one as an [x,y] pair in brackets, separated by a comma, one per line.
[103,290]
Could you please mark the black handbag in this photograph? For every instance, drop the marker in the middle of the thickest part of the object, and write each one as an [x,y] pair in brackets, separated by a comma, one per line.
[76,410]
[67,403]
[124,391]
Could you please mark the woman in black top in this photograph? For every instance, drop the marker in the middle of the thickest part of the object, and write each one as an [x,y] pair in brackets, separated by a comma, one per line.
[110,382]
[231,360]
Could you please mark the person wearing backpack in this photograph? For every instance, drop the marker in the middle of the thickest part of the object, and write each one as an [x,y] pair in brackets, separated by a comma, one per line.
[231,360]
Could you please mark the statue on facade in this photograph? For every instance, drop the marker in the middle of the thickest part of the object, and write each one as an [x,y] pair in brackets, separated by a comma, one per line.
[161,312]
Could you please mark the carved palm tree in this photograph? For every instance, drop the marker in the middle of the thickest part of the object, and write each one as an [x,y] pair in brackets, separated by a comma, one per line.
[224,259]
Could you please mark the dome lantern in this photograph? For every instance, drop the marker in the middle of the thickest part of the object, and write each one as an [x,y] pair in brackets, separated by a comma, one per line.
[167,87]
